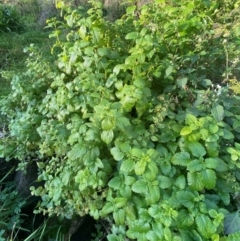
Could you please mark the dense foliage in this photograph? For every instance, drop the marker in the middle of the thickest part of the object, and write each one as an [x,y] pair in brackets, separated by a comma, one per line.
[10,19]
[133,121]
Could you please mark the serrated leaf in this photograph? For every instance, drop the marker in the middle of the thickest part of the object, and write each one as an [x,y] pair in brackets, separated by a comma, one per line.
[164,182]
[218,112]
[138,231]
[115,183]
[182,159]
[195,181]
[107,208]
[190,119]
[113,237]
[154,211]
[182,82]
[186,130]
[136,152]
[127,165]
[77,151]
[195,166]
[197,149]
[185,218]
[117,154]
[205,226]
[119,217]
[140,186]
[186,198]
[140,167]
[209,178]
[153,194]
[122,123]
[107,124]
[212,163]
[120,202]
[166,168]
[107,136]
[232,223]
[180,182]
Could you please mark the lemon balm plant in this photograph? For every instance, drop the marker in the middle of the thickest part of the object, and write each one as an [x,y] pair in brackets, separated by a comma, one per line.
[128,122]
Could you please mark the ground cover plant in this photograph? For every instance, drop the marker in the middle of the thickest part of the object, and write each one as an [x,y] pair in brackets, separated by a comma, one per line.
[133,121]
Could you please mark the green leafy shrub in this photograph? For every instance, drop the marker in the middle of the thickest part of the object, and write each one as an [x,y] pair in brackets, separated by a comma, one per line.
[129,122]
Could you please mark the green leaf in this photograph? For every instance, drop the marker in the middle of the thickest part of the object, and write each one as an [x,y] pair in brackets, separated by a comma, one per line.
[190,119]
[107,136]
[119,217]
[131,9]
[168,71]
[194,166]
[140,186]
[107,208]
[107,124]
[164,182]
[104,52]
[185,218]
[182,159]
[186,131]
[209,178]
[195,181]
[120,202]
[180,182]
[127,165]
[182,82]
[132,35]
[197,149]
[96,34]
[136,152]
[227,135]
[115,183]
[153,194]
[186,198]
[140,167]
[205,226]
[212,163]
[218,112]
[117,154]
[232,223]
[78,151]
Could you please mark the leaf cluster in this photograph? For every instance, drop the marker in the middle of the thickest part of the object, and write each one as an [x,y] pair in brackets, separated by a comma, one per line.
[128,122]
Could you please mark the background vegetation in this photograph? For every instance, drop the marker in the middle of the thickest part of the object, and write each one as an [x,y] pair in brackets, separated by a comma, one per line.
[131,118]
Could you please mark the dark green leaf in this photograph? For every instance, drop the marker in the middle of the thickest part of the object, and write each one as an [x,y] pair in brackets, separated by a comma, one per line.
[218,112]
[182,159]
[197,149]
[182,82]
[164,182]
[232,223]
[186,198]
